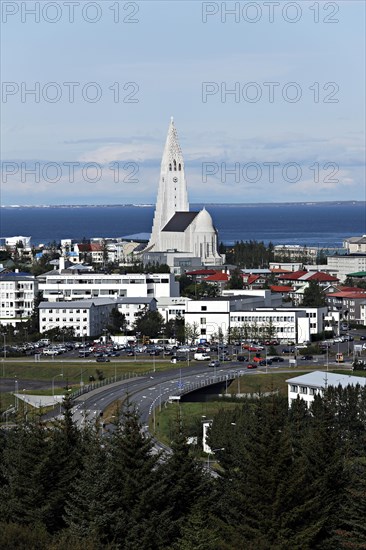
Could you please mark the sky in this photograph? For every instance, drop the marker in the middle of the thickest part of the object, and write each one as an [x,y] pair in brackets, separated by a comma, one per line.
[268,99]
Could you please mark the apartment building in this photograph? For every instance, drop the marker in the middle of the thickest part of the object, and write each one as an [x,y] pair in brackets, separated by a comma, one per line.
[314,383]
[17,294]
[68,285]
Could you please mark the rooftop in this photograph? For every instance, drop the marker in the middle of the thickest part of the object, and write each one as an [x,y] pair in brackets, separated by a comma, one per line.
[320,379]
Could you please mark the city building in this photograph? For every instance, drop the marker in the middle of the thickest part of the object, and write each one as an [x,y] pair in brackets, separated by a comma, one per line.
[68,285]
[170,308]
[315,383]
[355,245]
[85,317]
[342,265]
[176,229]
[347,303]
[250,316]
[17,295]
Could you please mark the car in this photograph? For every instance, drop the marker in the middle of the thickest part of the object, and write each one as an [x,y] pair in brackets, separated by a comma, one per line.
[214,364]
[265,362]
[307,358]
[102,360]
[251,366]
[242,358]
[288,350]
[363,337]
[225,358]
[277,359]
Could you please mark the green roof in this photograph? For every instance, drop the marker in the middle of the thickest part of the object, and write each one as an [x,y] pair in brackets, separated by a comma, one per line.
[357,274]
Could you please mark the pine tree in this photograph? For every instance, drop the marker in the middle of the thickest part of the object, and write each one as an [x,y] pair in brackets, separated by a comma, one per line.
[88,510]
[138,519]
[64,461]
[24,468]
[185,483]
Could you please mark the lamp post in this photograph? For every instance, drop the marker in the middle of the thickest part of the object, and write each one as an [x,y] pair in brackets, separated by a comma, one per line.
[53,384]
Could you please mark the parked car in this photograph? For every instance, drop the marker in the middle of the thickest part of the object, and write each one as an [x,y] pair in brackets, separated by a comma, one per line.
[288,350]
[242,358]
[307,358]
[265,362]
[251,366]
[102,360]
[277,359]
[202,356]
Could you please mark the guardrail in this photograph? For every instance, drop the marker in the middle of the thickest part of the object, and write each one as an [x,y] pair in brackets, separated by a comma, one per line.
[86,388]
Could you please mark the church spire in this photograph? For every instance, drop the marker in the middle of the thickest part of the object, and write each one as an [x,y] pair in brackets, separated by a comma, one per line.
[172,155]
[172,192]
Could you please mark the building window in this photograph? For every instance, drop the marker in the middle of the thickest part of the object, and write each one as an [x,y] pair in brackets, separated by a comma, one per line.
[203,320]
[303,389]
[203,331]
[312,391]
[203,308]
[293,388]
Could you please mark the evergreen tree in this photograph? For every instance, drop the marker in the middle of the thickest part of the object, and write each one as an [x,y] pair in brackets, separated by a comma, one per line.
[185,484]
[89,508]
[138,518]
[314,295]
[64,462]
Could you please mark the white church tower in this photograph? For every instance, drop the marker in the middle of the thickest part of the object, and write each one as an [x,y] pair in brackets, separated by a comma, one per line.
[172,193]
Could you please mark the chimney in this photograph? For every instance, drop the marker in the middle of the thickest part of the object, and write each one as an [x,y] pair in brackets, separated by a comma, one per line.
[61,264]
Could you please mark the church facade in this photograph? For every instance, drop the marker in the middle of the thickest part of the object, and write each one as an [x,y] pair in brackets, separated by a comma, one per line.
[179,237]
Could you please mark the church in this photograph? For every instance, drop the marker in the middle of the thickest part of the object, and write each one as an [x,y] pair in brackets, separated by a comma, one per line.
[180,238]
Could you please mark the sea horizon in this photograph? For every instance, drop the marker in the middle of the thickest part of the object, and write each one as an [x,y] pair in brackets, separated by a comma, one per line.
[323,224]
[150,205]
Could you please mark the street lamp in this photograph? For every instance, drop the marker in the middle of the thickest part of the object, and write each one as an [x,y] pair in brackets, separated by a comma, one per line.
[53,384]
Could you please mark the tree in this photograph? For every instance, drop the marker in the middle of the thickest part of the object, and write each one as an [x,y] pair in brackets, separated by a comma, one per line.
[314,295]
[236,280]
[149,323]
[184,480]
[138,518]
[191,332]
[117,322]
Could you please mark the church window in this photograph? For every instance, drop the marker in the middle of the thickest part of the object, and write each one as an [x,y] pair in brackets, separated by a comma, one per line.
[170,167]
[179,167]
[175,165]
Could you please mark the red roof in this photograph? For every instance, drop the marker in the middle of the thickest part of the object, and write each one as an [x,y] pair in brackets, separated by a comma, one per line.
[347,294]
[252,279]
[280,270]
[351,289]
[86,247]
[322,277]
[218,276]
[293,276]
[283,288]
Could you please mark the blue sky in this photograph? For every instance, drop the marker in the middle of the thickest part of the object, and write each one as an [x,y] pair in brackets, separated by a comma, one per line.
[159,64]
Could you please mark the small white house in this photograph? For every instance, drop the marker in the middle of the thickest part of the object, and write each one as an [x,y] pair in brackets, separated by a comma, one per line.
[314,383]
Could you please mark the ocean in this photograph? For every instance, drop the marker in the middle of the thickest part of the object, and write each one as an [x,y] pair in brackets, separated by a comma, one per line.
[312,224]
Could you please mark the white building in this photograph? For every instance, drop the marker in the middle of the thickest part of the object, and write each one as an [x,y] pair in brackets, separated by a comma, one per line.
[342,265]
[247,313]
[17,294]
[85,317]
[170,308]
[68,285]
[90,317]
[13,241]
[314,383]
[175,228]
[133,307]
[355,245]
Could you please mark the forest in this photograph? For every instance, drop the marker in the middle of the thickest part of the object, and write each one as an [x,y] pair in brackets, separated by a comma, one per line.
[284,478]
